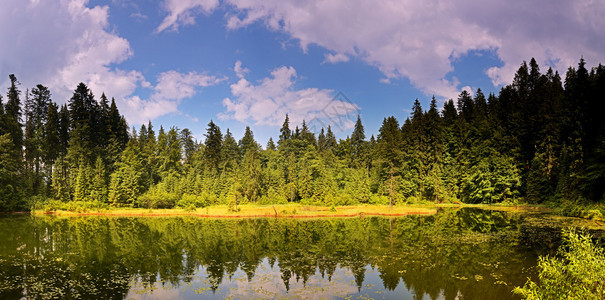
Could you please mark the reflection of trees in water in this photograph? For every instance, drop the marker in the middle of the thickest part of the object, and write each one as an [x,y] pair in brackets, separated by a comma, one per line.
[448,253]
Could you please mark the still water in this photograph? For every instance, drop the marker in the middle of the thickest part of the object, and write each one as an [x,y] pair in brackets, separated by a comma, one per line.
[454,254]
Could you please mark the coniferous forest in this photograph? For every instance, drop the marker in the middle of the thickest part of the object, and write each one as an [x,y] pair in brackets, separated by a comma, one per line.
[540,140]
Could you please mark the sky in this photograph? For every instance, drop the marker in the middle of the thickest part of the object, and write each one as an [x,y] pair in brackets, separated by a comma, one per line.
[250,62]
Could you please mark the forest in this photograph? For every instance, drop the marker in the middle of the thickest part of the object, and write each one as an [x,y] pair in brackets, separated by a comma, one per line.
[540,140]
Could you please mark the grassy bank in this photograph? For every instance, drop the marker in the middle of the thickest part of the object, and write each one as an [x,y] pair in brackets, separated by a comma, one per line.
[251,210]
[280,210]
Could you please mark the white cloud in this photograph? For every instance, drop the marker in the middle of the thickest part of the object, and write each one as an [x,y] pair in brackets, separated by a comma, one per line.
[419,40]
[61,43]
[239,70]
[468,89]
[268,102]
[385,80]
[171,88]
[335,58]
[182,12]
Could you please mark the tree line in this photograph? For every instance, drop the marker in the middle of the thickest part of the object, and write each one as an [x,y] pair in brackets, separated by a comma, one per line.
[541,139]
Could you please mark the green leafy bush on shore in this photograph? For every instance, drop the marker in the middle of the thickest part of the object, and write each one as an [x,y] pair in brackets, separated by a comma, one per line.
[577,273]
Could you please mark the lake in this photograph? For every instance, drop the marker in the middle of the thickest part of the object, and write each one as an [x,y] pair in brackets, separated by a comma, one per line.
[455,254]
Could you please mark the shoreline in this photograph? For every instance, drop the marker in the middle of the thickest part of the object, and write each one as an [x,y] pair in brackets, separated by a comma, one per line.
[292,211]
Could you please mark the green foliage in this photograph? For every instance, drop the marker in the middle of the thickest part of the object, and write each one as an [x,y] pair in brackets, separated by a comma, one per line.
[125,184]
[541,139]
[157,198]
[577,273]
[11,189]
[493,180]
[188,200]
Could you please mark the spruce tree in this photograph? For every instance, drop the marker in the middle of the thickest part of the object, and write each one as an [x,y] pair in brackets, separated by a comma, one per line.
[358,144]
[230,150]
[51,144]
[284,133]
[12,114]
[271,144]
[247,143]
[214,141]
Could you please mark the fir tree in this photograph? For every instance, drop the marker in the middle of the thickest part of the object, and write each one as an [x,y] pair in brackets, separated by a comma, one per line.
[214,141]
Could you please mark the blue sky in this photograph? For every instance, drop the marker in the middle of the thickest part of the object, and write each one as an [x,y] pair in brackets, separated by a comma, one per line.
[248,62]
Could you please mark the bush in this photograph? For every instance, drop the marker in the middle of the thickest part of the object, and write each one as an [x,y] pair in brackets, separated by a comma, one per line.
[193,200]
[579,210]
[48,205]
[379,199]
[157,199]
[578,272]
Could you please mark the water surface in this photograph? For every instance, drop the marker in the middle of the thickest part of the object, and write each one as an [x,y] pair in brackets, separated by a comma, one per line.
[464,253]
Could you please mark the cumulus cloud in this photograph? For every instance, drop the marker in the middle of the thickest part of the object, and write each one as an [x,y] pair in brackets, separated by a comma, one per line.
[268,102]
[419,40]
[62,43]
[240,71]
[171,88]
[182,12]
[335,58]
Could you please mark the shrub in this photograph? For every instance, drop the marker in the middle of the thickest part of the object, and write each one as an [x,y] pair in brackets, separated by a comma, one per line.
[157,199]
[578,272]
[191,207]
[193,200]
[379,199]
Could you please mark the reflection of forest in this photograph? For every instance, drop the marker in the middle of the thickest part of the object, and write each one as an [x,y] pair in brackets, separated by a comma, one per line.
[477,254]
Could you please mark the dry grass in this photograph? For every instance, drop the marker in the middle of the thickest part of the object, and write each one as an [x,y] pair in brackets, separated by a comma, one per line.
[252,210]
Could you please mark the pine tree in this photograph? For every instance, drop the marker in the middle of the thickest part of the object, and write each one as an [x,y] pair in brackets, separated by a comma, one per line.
[330,139]
[307,136]
[271,145]
[99,188]
[230,151]
[12,114]
[64,128]
[36,109]
[102,127]
[466,106]
[358,145]
[247,143]
[82,113]
[51,144]
[82,185]
[125,184]
[188,143]
[11,190]
[321,141]
[214,141]
[284,132]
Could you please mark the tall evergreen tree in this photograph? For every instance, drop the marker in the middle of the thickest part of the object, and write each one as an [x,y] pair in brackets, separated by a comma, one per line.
[82,113]
[271,144]
[189,145]
[247,143]
[284,133]
[64,130]
[214,141]
[12,114]
[51,144]
[358,142]
[330,139]
[230,150]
